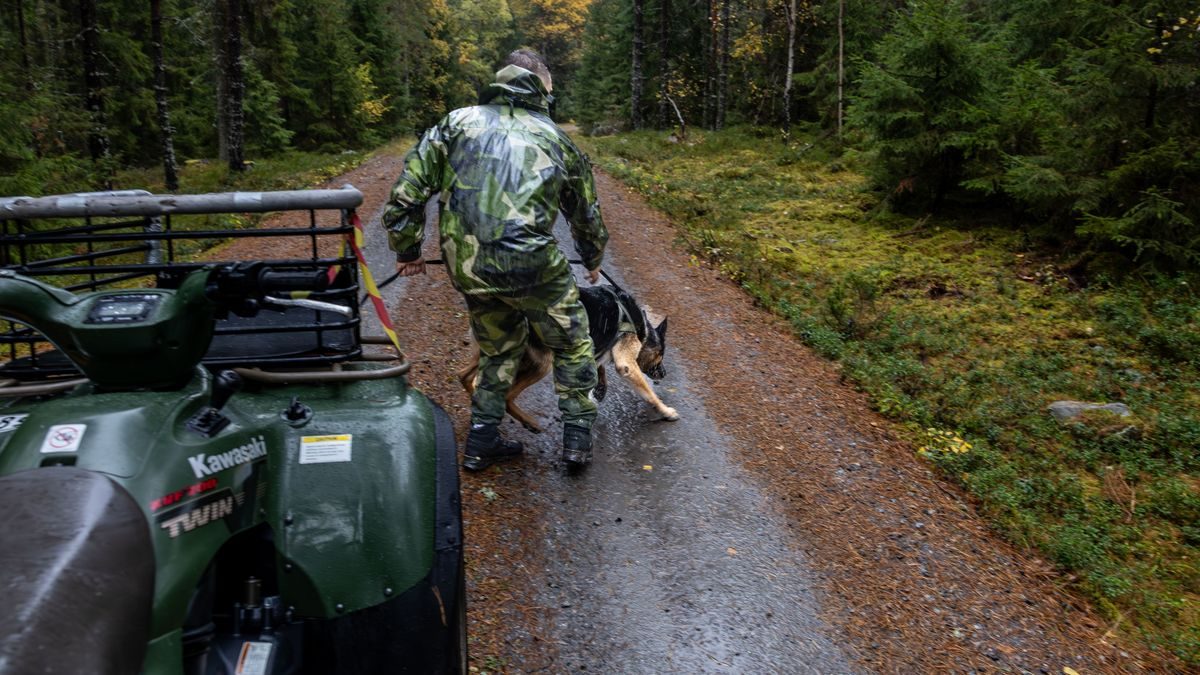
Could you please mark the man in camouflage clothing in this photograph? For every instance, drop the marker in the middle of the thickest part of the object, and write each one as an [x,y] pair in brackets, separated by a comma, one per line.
[505,171]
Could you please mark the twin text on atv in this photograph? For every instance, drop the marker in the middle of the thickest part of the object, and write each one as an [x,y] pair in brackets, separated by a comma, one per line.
[202,468]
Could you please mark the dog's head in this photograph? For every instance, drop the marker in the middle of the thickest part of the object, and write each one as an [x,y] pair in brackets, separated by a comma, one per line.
[650,358]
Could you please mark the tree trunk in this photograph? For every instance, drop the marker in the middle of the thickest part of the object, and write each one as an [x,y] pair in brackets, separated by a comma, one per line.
[791,64]
[160,97]
[637,76]
[664,55]
[30,87]
[723,67]
[24,42]
[841,63]
[711,71]
[93,82]
[219,60]
[1152,95]
[235,87]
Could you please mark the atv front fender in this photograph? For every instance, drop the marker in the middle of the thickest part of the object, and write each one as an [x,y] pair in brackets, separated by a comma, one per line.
[354,534]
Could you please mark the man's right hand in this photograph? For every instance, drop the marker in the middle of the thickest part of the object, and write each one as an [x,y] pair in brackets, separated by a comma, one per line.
[593,276]
[411,268]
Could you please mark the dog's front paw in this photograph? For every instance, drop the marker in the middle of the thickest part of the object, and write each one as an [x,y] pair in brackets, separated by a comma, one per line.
[670,415]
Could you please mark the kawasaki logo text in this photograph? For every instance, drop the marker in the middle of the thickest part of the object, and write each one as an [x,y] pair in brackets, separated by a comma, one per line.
[206,465]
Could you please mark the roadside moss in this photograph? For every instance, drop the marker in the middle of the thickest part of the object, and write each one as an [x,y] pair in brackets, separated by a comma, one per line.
[965,326]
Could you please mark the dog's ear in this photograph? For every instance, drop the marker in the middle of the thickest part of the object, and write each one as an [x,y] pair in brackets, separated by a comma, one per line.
[661,329]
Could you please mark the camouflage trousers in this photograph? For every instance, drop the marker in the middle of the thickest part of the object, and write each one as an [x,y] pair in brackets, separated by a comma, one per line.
[501,324]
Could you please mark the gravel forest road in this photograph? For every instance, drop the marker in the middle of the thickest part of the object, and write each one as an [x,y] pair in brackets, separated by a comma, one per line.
[777,527]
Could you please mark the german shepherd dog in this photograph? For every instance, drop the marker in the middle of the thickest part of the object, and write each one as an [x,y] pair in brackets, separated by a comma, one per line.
[622,332]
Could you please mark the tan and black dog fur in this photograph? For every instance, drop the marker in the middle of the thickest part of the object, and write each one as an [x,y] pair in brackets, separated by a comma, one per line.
[635,346]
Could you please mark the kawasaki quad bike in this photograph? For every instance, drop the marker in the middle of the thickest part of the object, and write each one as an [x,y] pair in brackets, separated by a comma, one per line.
[202,468]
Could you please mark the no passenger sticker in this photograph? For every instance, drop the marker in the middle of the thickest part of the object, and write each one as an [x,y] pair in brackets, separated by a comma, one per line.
[325,449]
[63,438]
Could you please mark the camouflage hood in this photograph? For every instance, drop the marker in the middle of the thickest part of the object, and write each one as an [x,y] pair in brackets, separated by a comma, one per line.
[518,87]
[505,172]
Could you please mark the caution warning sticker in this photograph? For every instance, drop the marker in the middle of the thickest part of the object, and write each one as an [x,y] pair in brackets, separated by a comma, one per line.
[325,449]
[254,659]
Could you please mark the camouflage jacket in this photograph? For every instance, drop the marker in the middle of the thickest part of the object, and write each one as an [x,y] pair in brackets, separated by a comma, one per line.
[504,171]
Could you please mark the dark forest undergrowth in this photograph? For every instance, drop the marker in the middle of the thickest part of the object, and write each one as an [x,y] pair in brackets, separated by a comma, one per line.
[964,330]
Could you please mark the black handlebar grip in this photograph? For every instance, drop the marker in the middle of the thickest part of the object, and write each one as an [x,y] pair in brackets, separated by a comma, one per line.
[312,280]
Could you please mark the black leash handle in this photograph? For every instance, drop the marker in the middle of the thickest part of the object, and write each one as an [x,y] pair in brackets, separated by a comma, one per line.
[438,261]
[602,273]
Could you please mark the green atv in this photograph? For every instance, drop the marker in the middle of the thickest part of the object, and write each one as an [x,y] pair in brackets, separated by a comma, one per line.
[204,467]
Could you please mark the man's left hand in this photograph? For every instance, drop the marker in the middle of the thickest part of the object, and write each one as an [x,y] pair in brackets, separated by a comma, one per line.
[411,268]
[593,276]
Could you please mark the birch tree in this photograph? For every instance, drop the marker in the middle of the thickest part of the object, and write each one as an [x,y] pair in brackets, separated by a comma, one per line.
[791,65]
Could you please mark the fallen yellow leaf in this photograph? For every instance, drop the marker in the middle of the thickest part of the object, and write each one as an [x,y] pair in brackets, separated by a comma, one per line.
[647,467]
[1068,670]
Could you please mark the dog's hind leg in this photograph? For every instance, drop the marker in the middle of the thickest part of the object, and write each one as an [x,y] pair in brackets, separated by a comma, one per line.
[624,355]
[601,388]
[534,366]
[466,376]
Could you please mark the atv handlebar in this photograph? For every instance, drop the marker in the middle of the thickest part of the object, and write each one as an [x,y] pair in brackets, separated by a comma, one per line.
[254,280]
[152,338]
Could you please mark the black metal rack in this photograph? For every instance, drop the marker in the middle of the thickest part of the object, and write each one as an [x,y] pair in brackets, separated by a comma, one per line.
[90,241]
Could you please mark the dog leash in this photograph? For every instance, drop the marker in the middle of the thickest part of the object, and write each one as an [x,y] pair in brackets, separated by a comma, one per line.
[438,261]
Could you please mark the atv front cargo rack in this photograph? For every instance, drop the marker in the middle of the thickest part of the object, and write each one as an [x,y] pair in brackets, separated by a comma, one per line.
[135,239]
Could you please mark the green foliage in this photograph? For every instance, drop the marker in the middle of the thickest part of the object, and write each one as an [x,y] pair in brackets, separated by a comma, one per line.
[554,29]
[964,329]
[484,30]
[918,104]
[1078,114]
[329,75]
[266,129]
[604,67]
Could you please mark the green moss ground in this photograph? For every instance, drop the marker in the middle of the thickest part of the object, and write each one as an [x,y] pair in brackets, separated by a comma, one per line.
[964,331]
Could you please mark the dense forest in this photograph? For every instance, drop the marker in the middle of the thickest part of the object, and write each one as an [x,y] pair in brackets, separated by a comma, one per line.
[1081,117]
[89,87]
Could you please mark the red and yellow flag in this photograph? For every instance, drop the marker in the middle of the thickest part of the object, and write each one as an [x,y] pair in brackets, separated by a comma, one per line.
[356,240]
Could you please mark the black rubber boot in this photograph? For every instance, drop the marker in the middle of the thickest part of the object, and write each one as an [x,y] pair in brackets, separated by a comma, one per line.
[485,447]
[577,446]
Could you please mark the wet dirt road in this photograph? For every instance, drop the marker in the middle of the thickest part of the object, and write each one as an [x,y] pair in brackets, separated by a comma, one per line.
[669,558]
[778,527]
[663,555]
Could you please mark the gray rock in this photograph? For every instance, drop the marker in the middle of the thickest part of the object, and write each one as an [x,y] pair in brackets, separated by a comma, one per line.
[1066,411]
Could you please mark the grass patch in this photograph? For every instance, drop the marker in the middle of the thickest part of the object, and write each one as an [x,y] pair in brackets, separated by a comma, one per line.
[291,170]
[964,332]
